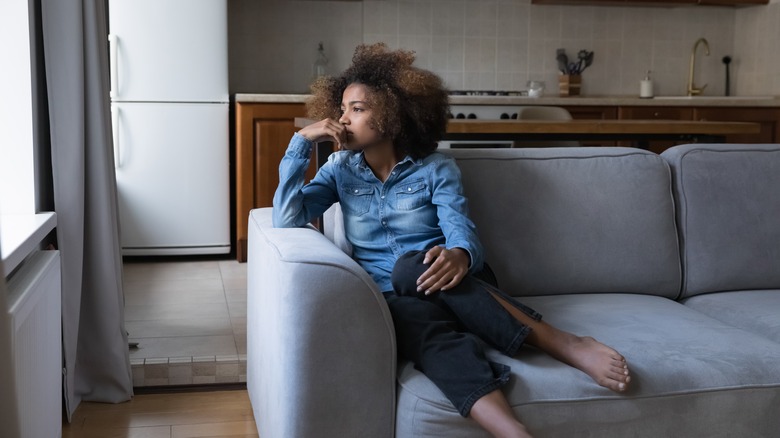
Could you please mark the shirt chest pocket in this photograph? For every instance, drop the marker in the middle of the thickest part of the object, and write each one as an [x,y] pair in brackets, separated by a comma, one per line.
[412,195]
[356,198]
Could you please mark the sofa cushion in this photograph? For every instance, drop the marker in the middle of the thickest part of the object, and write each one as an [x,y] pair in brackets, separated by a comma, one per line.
[689,373]
[728,205]
[757,311]
[574,220]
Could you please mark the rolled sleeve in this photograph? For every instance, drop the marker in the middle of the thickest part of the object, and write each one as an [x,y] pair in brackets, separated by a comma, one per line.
[296,204]
[452,208]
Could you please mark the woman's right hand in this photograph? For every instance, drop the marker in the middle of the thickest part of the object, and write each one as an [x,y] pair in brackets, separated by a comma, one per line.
[326,130]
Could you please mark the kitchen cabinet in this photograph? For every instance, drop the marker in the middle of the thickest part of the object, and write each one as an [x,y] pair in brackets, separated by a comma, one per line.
[733,2]
[655,113]
[615,2]
[579,112]
[263,131]
[768,118]
[663,3]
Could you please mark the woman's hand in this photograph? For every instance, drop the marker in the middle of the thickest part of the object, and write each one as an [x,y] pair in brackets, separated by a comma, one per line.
[326,130]
[447,270]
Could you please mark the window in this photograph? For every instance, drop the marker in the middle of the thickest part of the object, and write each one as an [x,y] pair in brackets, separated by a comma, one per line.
[17,182]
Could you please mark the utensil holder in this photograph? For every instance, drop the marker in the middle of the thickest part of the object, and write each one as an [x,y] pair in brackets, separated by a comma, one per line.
[569,85]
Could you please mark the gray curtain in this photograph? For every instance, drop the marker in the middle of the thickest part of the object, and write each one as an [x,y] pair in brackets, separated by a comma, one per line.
[75,59]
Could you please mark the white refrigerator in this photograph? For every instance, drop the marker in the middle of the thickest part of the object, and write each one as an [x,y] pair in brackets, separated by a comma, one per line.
[170,111]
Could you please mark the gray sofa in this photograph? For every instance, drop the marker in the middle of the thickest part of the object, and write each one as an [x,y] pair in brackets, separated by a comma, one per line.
[674,260]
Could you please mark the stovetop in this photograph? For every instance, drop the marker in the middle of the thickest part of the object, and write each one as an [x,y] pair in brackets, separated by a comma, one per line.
[484,112]
[487,93]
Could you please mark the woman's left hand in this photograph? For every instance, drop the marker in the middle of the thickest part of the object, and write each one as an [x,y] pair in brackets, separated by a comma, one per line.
[447,269]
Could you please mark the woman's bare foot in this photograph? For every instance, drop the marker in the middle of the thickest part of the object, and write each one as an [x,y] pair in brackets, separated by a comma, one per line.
[602,363]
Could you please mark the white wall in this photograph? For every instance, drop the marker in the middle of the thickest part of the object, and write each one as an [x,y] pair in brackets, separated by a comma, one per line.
[273,44]
[756,43]
[501,44]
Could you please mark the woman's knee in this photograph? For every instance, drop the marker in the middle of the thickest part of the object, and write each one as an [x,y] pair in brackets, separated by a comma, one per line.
[406,271]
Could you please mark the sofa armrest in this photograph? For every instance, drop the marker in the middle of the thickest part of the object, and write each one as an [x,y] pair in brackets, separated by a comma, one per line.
[321,355]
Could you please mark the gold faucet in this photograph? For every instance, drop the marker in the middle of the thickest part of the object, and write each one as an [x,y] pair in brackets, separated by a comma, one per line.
[692,90]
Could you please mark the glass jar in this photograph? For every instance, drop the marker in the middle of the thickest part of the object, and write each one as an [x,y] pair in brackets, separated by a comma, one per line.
[535,88]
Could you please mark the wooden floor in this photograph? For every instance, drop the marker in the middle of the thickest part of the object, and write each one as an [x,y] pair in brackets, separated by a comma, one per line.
[223,413]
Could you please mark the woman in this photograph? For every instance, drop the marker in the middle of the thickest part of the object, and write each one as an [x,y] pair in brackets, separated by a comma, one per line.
[406,218]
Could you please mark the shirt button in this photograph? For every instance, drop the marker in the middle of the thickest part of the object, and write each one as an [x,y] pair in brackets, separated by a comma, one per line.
[409,189]
[356,190]
[383,196]
[384,222]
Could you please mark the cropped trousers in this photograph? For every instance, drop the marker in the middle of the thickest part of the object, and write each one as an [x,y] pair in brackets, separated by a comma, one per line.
[442,334]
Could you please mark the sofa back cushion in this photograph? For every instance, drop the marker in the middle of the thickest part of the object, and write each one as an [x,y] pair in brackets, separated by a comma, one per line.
[728,202]
[574,220]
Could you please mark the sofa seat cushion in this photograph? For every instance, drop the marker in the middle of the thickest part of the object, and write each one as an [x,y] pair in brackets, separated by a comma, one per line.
[757,311]
[689,372]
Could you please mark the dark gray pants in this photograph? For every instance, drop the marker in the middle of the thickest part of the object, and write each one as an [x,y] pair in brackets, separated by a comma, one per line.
[441,333]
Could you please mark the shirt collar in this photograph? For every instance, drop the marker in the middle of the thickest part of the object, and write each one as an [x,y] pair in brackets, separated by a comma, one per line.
[358,160]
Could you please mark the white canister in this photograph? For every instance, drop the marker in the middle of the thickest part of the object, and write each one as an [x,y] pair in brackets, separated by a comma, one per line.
[646,87]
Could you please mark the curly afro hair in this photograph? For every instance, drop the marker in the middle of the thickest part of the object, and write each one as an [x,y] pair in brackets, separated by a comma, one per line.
[409,104]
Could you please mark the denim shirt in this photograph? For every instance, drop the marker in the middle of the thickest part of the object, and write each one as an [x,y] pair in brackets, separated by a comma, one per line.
[420,205]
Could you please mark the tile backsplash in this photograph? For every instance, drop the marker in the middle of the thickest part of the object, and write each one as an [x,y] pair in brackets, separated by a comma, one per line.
[501,44]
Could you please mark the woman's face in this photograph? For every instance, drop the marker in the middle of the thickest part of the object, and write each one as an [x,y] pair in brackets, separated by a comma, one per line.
[357,118]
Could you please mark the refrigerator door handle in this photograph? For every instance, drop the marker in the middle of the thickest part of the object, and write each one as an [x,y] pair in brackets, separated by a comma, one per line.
[115,131]
[114,67]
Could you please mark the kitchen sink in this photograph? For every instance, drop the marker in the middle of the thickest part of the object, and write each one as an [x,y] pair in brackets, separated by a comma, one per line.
[714,97]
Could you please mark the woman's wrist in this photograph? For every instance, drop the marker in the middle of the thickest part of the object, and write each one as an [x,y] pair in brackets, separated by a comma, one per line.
[466,253]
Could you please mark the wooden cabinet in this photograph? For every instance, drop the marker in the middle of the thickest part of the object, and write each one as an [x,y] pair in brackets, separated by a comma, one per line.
[663,3]
[733,2]
[655,113]
[263,131]
[616,2]
[593,113]
[769,118]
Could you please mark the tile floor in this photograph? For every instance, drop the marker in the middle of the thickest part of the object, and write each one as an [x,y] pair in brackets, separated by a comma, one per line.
[189,320]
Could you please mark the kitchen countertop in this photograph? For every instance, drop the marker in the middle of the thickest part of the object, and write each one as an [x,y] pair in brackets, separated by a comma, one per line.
[714,101]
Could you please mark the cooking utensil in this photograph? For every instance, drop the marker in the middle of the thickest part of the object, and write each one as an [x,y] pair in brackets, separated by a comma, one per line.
[563,60]
[587,59]
[726,62]
[584,60]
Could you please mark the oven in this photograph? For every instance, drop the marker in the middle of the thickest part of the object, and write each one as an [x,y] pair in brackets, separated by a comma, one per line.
[484,112]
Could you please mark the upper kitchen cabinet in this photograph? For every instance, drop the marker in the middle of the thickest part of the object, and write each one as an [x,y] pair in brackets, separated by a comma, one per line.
[665,3]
